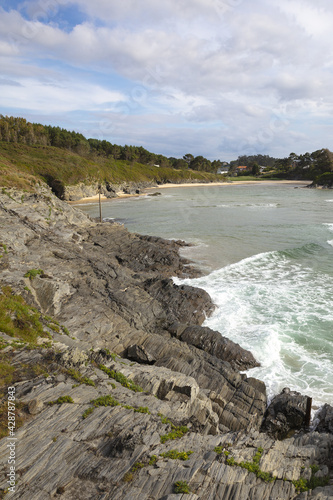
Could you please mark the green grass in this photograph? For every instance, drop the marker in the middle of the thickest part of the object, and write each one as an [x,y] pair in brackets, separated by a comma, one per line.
[79,377]
[119,377]
[312,483]
[21,166]
[105,401]
[62,400]
[176,433]
[18,319]
[87,412]
[32,273]
[252,466]
[177,455]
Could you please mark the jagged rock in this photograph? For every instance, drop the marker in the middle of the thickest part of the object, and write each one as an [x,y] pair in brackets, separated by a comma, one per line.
[35,406]
[214,343]
[288,412]
[49,294]
[139,354]
[182,303]
[324,417]
[72,357]
[122,300]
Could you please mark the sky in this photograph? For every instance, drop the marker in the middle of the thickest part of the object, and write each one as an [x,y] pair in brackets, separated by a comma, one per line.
[217,78]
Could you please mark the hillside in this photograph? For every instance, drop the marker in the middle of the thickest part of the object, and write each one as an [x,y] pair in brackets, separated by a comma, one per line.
[23,165]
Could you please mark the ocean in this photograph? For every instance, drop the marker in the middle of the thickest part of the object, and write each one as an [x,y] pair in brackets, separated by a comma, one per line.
[266,250]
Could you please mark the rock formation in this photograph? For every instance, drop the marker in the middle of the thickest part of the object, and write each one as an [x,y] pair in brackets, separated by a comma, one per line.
[128,396]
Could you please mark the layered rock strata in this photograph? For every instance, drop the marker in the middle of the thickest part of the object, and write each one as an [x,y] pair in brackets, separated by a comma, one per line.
[137,400]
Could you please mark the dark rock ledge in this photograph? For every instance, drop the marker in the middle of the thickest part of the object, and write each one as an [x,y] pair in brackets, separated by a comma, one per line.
[112,292]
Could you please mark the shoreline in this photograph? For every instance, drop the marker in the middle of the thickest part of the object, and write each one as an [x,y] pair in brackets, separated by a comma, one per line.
[121,195]
[167,373]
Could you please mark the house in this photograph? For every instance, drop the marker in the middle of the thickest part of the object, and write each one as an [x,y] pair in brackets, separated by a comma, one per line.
[223,170]
[241,168]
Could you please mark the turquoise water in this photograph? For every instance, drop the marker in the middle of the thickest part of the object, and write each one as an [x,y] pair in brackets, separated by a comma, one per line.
[267,252]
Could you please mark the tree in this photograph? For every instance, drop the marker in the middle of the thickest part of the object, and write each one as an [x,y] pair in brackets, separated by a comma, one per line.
[255,169]
[188,158]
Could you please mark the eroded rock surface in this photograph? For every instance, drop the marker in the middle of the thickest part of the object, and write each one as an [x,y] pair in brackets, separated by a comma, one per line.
[287,413]
[130,375]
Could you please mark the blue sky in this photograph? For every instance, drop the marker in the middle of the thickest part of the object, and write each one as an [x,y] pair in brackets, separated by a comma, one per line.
[218,78]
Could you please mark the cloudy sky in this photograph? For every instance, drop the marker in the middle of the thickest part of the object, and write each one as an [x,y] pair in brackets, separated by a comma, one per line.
[217,78]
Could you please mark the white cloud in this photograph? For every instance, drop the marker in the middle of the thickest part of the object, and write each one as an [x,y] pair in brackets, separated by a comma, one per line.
[52,97]
[223,65]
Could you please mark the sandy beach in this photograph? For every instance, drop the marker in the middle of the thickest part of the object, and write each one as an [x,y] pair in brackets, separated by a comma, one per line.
[120,194]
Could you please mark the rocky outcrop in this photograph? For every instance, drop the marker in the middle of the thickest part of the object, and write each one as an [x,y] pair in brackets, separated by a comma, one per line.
[78,191]
[287,413]
[324,419]
[145,440]
[130,396]
[215,344]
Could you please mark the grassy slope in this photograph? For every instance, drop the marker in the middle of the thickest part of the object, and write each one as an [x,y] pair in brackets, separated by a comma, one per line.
[22,165]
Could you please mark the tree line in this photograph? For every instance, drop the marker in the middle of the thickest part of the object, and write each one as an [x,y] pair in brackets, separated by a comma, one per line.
[19,130]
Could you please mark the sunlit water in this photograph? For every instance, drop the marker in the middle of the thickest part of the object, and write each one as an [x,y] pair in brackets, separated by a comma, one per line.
[267,253]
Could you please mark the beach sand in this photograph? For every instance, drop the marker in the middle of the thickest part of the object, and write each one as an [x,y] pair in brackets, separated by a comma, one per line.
[120,194]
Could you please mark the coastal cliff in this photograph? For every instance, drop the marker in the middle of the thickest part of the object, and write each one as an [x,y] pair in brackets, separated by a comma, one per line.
[120,393]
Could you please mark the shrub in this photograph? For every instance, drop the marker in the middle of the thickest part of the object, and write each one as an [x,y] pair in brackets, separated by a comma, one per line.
[32,273]
[61,400]
[105,401]
[177,455]
[153,460]
[87,412]
[181,487]
[119,377]
[79,378]
[142,409]
[176,433]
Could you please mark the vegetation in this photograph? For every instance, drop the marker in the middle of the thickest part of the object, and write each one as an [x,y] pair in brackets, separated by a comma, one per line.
[33,152]
[309,166]
[153,460]
[312,483]
[32,273]
[18,319]
[79,377]
[129,475]
[181,487]
[176,433]
[62,400]
[87,412]
[252,466]
[105,401]
[177,455]
[119,377]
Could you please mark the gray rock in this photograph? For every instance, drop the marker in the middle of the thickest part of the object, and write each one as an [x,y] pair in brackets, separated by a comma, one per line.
[113,291]
[287,413]
[324,418]
[139,354]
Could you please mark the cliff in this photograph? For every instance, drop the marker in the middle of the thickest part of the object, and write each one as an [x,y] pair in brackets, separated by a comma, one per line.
[119,391]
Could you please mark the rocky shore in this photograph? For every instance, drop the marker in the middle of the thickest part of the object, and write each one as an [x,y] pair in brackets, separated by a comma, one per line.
[124,395]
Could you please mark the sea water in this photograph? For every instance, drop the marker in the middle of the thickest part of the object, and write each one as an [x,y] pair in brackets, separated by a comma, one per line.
[267,254]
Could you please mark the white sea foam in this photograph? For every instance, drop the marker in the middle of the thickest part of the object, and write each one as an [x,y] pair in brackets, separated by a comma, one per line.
[249,205]
[329,226]
[330,242]
[270,304]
